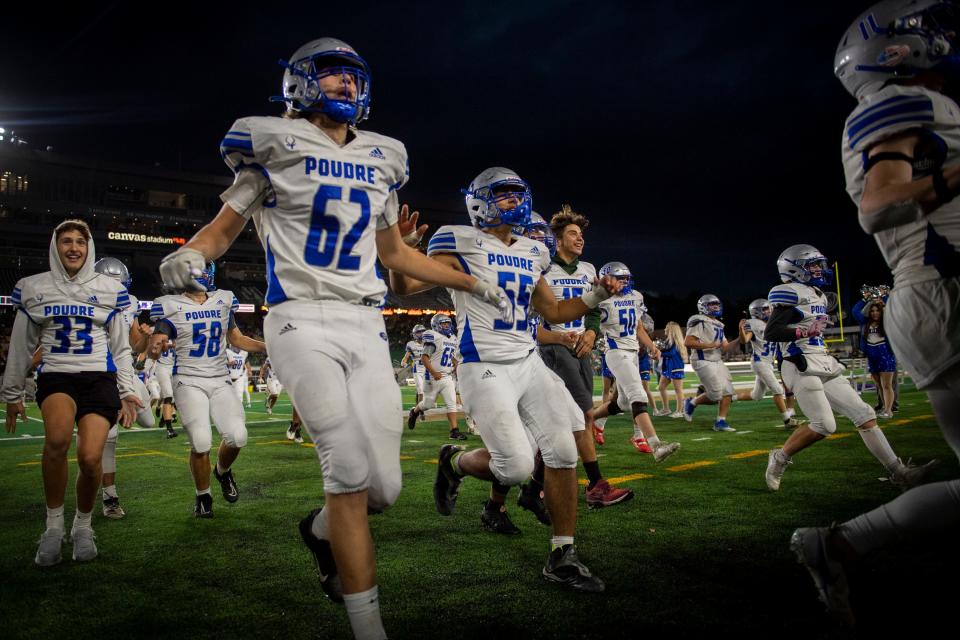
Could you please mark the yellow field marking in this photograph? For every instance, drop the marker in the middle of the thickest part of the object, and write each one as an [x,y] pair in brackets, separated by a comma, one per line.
[406,457]
[748,454]
[278,442]
[838,436]
[433,461]
[34,463]
[692,465]
[632,476]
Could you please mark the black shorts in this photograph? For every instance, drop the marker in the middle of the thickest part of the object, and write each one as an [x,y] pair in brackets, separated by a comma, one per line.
[576,373]
[92,391]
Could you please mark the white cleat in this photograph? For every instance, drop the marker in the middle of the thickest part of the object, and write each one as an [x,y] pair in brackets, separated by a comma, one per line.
[660,413]
[775,469]
[84,547]
[48,554]
[809,544]
[676,414]
[907,476]
[664,450]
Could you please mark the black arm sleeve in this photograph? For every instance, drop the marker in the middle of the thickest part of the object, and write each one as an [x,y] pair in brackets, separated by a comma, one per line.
[144,317]
[777,329]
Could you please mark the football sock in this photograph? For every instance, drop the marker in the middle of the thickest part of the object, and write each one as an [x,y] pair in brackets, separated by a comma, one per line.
[593,473]
[55,518]
[877,443]
[82,520]
[653,441]
[363,610]
[637,432]
[455,462]
[498,492]
[788,414]
[110,492]
[601,422]
[927,509]
[201,492]
[319,525]
[558,542]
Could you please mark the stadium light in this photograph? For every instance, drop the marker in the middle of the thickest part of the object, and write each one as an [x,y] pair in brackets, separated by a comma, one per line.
[2,130]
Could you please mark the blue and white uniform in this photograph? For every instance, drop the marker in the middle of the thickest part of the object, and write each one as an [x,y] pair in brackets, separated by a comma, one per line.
[924,255]
[441,350]
[708,363]
[201,376]
[274,387]
[237,361]
[317,206]
[820,389]
[165,365]
[502,380]
[619,316]
[764,354]
[415,349]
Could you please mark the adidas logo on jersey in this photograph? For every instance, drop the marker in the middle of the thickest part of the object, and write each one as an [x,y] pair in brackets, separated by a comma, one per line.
[287,327]
[376,153]
[93,299]
[534,251]
[487,374]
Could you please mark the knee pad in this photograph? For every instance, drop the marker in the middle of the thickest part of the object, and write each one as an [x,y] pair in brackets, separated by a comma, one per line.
[638,408]
[236,439]
[382,496]
[562,454]
[823,427]
[515,469]
[756,393]
[112,434]
[613,408]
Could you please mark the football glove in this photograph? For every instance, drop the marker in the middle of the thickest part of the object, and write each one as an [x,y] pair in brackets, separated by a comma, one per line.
[179,270]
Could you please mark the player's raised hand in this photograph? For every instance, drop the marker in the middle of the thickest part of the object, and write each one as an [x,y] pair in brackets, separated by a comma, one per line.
[15,409]
[611,284]
[180,269]
[129,405]
[407,226]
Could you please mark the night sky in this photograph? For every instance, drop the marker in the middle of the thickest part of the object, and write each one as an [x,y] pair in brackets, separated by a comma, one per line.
[701,138]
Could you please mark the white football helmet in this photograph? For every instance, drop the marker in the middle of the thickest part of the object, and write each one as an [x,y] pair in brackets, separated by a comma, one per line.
[417,332]
[442,323]
[619,271]
[798,263]
[114,268]
[318,59]
[760,309]
[898,39]
[710,305]
[494,187]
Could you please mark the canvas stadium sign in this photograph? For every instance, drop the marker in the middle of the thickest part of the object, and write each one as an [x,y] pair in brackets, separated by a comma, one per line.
[142,238]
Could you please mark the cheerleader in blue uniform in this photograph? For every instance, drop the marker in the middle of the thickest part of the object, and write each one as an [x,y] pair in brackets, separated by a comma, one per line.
[881,363]
[672,356]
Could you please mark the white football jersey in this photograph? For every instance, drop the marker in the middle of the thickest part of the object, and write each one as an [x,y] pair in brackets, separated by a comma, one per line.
[928,249]
[618,320]
[812,304]
[316,205]
[200,330]
[77,334]
[484,337]
[168,357]
[566,286]
[415,349]
[271,372]
[236,359]
[763,351]
[705,329]
[441,350]
[149,369]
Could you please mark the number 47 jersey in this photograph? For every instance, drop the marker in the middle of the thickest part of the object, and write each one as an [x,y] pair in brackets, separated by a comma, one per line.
[484,336]
[200,331]
[316,205]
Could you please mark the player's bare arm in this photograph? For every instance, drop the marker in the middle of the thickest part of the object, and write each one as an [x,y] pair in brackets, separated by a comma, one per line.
[546,336]
[246,343]
[692,342]
[557,311]
[891,181]
[647,342]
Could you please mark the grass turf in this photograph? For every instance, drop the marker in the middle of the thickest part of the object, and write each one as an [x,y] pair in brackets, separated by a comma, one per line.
[701,549]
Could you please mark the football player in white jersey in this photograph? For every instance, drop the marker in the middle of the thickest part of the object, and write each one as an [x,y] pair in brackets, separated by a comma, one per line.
[166,360]
[150,378]
[268,375]
[240,372]
[86,377]
[706,343]
[764,354]
[798,319]
[437,359]
[623,332]
[203,323]
[901,147]
[323,196]
[115,269]
[414,350]
[505,386]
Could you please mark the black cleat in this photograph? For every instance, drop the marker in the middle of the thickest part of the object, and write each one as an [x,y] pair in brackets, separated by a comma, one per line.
[412,418]
[323,558]
[498,521]
[227,484]
[171,433]
[456,435]
[204,506]
[446,487]
[563,567]
[531,500]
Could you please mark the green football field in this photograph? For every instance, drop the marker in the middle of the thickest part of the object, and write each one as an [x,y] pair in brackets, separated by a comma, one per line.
[701,550]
